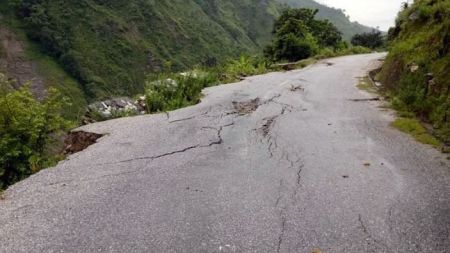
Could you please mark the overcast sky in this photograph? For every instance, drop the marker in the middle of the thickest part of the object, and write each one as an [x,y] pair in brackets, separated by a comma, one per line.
[373,13]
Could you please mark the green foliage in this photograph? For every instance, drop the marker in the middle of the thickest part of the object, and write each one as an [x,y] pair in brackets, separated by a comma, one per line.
[298,35]
[421,38]
[172,91]
[169,91]
[326,33]
[415,129]
[371,40]
[27,129]
[244,66]
[109,46]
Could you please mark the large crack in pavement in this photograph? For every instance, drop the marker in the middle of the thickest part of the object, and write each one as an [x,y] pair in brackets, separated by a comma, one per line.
[284,201]
[218,141]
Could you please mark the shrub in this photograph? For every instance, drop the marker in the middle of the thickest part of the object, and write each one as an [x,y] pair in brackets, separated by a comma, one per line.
[28,128]
[244,66]
[172,91]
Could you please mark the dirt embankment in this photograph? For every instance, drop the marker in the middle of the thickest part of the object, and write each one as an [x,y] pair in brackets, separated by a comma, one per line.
[14,62]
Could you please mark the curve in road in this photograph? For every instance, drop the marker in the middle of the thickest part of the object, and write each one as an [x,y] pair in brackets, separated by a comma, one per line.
[282,162]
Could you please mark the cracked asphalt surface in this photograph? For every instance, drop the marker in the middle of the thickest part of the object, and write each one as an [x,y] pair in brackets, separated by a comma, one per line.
[275,163]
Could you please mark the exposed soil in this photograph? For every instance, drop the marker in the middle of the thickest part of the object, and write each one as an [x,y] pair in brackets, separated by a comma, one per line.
[243,108]
[79,141]
[18,68]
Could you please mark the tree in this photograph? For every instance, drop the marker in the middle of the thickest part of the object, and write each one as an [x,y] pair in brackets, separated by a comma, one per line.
[298,35]
[326,33]
[373,39]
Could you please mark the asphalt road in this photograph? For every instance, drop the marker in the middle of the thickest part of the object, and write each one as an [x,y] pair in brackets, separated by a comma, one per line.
[275,163]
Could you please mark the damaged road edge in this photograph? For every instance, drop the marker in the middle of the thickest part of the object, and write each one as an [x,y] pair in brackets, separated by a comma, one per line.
[79,140]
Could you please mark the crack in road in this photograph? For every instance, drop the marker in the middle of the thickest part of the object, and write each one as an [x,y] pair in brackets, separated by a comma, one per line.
[180,120]
[218,141]
[281,235]
[369,236]
[271,139]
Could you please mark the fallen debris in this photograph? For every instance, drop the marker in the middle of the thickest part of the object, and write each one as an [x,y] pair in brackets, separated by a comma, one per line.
[79,141]
[112,108]
[366,163]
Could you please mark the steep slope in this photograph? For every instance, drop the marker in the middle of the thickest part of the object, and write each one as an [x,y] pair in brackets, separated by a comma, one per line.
[417,69]
[109,45]
[336,16]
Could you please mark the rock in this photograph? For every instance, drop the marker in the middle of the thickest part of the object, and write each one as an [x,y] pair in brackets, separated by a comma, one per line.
[414,68]
[141,104]
[414,16]
[366,163]
[115,107]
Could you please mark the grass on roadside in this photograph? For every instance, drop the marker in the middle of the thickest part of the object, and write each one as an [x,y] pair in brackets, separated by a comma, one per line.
[406,123]
[365,84]
[414,128]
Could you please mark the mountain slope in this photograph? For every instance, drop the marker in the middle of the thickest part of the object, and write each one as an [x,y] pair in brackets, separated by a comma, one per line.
[109,46]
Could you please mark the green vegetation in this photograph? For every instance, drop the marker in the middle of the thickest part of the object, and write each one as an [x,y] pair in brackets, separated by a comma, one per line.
[109,46]
[169,91]
[372,40]
[416,71]
[415,129]
[28,128]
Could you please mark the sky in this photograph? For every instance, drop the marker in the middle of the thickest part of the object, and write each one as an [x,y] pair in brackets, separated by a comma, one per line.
[374,13]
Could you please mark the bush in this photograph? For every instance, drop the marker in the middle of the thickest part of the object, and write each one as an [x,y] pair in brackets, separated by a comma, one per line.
[28,128]
[172,91]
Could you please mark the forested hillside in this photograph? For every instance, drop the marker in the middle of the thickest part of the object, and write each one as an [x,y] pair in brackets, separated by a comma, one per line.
[109,46]
[417,70]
